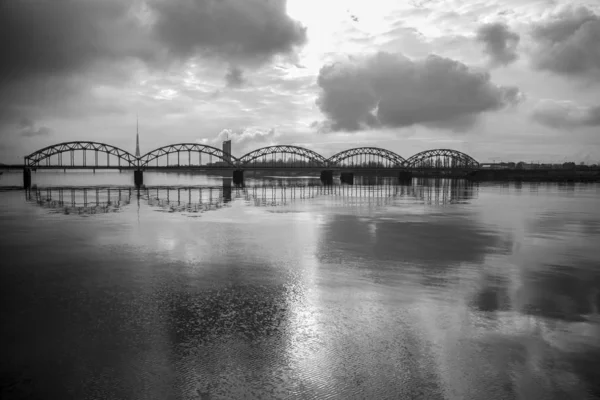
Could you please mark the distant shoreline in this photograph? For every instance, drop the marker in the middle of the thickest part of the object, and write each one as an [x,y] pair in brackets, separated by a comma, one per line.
[479,175]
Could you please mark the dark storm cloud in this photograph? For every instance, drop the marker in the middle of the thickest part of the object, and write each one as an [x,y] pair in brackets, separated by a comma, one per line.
[390,90]
[568,42]
[55,51]
[39,38]
[234,77]
[500,43]
[58,37]
[246,30]
[566,115]
[46,46]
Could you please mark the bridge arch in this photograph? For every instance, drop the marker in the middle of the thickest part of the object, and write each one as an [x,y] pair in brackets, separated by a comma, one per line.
[367,157]
[155,154]
[442,159]
[296,156]
[34,158]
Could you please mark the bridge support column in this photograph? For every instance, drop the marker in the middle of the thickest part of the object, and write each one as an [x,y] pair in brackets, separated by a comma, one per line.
[327,177]
[26,178]
[226,190]
[347,177]
[404,176]
[138,177]
[238,177]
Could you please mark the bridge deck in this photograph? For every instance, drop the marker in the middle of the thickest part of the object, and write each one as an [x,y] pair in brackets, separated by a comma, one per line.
[275,168]
[220,167]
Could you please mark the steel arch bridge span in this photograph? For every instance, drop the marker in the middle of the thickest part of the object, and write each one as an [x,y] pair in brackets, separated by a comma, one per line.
[165,151]
[296,157]
[442,159]
[366,157]
[36,157]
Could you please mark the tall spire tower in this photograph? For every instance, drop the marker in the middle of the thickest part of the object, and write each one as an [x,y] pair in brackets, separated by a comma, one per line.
[137,137]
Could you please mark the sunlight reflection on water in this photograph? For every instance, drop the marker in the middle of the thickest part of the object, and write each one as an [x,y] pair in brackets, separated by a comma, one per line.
[428,290]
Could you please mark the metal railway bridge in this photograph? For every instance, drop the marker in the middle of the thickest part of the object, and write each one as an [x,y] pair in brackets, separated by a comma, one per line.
[194,156]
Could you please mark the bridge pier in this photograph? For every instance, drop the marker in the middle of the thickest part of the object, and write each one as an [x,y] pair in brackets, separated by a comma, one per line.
[327,177]
[238,177]
[404,176]
[226,190]
[26,178]
[138,177]
[347,177]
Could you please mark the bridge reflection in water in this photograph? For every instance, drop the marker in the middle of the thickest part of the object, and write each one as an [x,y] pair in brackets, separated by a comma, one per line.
[198,199]
[81,200]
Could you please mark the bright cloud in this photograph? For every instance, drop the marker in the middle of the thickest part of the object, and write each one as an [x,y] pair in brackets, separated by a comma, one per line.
[247,139]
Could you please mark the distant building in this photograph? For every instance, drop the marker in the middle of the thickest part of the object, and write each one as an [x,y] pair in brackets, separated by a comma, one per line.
[227,150]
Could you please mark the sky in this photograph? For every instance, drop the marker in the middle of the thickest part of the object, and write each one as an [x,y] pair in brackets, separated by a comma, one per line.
[503,80]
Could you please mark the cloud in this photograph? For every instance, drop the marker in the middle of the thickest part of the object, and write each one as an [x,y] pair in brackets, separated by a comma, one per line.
[47,46]
[237,30]
[322,126]
[500,43]
[27,129]
[243,140]
[391,90]
[56,52]
[567,42]
[566,114]
[56,37]
[234,77]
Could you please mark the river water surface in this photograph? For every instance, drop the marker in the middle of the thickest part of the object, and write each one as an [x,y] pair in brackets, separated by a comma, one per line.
[193,289]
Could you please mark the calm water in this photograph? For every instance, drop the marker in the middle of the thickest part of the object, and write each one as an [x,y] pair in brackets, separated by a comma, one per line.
[286,289]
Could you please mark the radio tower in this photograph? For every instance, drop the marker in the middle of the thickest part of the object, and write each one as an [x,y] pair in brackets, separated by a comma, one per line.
[137,137]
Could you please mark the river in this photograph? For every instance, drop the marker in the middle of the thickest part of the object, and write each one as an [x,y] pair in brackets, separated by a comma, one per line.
[285,289]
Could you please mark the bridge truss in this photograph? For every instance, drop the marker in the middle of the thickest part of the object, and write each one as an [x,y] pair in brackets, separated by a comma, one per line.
[441,159]
[34,159]
[282,156]
[366,157]
[222,159]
